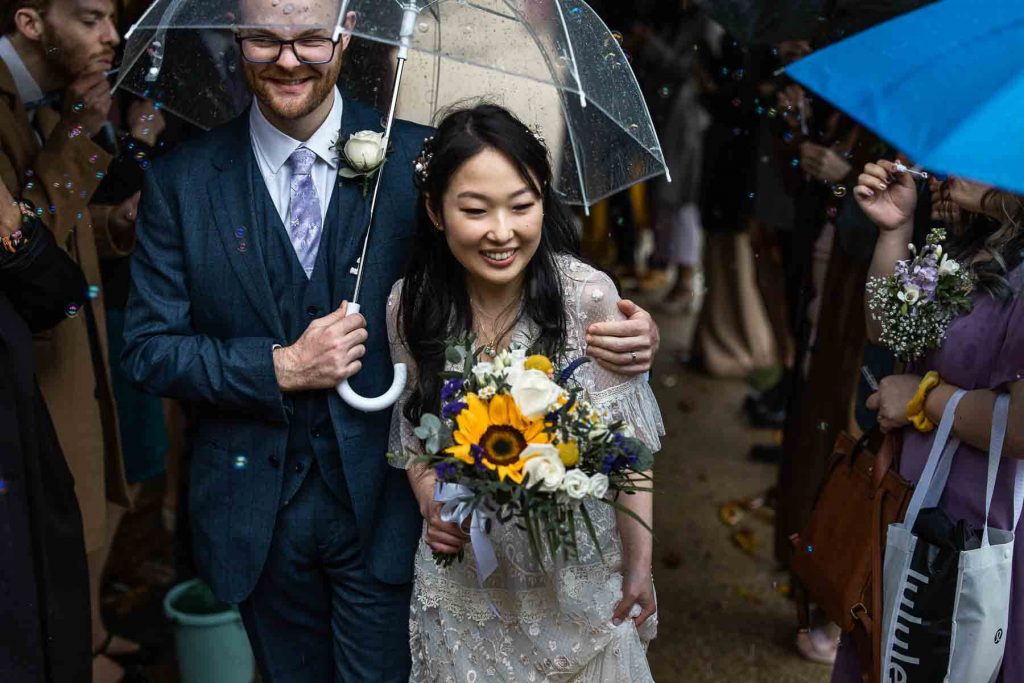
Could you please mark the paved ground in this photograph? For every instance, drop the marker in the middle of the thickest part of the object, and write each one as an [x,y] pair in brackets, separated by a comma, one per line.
[722,616]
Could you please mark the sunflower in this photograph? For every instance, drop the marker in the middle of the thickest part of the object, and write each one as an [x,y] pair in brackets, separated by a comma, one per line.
[498,432]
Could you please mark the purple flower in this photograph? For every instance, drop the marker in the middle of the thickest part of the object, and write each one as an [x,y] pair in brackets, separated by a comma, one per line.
[450,389]
[926,277]
[445,470]
[451,410]
[478,457]
[903,272]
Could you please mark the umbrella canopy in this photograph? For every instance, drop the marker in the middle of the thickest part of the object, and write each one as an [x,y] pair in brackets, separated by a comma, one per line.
[553,62]
[944,84]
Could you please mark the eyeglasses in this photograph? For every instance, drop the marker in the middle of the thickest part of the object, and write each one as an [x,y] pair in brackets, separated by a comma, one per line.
[265,50]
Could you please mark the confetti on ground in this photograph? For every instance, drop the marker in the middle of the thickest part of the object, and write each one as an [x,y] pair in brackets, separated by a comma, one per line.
[746,540]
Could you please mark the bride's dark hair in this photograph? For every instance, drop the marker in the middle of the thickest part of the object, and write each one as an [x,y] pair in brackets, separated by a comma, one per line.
[435,306]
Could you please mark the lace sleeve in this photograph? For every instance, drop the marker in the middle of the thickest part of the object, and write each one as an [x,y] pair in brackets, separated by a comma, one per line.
[403,446]
[593,298]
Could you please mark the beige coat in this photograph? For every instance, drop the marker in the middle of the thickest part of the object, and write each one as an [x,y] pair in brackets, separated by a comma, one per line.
[77,389]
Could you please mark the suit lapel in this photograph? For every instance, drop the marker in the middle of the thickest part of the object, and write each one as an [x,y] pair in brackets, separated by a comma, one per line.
[232,198]
[353,208]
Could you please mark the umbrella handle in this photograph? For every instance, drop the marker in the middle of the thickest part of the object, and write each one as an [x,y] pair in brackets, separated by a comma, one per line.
[370,404]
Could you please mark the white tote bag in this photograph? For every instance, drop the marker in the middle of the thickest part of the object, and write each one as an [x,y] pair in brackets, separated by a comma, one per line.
[982,602]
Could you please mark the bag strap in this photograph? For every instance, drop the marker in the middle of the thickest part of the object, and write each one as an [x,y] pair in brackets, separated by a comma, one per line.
[874,625]
[1000,420]
[942,449]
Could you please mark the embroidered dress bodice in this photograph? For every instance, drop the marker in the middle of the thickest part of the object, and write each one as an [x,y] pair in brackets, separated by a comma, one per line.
[531,622]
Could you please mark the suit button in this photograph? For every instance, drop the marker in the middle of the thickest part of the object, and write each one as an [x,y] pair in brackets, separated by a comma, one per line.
[316,433]
[274,462]
[299,467]
[312,311]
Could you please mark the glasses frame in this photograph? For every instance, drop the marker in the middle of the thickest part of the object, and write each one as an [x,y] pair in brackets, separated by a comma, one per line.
[280,48]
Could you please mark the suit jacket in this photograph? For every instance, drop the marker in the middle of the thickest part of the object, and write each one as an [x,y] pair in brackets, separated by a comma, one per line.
[60,177]
[201,322]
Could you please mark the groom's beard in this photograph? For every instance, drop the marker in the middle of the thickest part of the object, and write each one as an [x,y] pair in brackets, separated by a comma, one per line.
[290,108]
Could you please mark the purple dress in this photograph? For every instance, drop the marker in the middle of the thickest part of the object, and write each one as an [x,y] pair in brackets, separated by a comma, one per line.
[983,350]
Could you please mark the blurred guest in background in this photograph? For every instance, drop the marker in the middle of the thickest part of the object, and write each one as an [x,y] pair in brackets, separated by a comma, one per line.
[44,613]
[983,353]
[671,46]
[54,102]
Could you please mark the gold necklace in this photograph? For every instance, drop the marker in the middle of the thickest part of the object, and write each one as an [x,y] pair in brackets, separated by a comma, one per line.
[490,348]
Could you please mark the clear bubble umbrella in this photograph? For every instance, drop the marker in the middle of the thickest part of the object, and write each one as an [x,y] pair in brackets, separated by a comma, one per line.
[552,62]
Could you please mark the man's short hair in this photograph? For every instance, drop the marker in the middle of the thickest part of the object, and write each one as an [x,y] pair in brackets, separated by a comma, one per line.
[8,8]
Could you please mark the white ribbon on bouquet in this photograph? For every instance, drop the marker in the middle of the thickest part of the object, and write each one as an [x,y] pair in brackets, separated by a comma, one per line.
[457,507]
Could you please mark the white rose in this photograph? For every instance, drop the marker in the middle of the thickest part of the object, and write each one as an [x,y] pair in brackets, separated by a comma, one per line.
[576,484]
[948,266]
[544,468]
[910,294]
[482,370]
[533,392]
[365,151]
[598,486]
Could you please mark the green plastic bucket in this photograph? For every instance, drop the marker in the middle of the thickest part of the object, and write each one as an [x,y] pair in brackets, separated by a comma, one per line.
[211,642]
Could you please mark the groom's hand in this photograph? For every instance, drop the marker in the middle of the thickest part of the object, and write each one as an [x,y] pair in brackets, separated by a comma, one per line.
[625,346]
[326,353]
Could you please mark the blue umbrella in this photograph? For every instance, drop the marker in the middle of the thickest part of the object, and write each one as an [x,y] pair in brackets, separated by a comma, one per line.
[944,84]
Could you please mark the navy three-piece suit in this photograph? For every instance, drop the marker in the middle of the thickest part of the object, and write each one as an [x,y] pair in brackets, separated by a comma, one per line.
[296,514]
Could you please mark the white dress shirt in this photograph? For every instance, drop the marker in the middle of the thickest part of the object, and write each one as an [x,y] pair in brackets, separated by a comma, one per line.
[272,149]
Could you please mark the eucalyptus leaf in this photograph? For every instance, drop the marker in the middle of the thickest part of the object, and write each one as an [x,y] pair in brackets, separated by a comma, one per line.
[645,456]
[454,354]
[430,426]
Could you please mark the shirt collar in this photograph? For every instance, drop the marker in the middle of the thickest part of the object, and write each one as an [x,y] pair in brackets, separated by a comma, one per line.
[275,147]
[28,89]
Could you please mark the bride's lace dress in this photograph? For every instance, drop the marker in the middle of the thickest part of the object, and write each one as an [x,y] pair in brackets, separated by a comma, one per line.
[533,623]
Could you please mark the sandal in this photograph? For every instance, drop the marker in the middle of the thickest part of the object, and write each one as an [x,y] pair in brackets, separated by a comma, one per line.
[144,656]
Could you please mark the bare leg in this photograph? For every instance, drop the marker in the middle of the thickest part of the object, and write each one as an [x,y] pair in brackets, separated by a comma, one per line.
[104,669]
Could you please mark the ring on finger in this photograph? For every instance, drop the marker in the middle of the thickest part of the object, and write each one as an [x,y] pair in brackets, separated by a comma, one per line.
[633,356]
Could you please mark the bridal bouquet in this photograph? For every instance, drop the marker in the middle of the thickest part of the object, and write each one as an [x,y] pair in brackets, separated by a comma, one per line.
[916,304]
[517,442]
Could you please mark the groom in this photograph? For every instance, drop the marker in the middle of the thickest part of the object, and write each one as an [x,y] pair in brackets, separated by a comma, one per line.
[247,242]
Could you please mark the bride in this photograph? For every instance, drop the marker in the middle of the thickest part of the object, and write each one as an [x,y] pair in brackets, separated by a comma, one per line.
[495,254]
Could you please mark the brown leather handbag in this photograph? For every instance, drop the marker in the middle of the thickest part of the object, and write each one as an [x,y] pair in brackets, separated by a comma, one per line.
[838,554]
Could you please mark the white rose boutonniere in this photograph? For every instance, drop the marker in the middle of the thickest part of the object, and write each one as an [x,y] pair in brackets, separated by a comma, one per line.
[363,154]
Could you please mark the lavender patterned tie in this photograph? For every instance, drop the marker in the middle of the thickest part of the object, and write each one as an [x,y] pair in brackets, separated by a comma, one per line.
[305,228]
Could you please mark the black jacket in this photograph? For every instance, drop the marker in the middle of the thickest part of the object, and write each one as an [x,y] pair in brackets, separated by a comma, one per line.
[44,612]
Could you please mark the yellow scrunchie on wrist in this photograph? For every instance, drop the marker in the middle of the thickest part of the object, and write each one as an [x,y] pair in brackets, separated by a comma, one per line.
[915,409]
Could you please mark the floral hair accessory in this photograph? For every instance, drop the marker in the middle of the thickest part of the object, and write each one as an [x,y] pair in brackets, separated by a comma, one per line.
[422,163]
